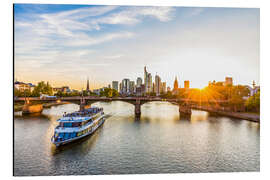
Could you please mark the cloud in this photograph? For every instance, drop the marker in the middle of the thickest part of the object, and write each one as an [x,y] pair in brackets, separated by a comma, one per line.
[195,12]
[48,34]
[64,23]
[68,23]
[87,40]
[41,32]
[116,56]
[135,15]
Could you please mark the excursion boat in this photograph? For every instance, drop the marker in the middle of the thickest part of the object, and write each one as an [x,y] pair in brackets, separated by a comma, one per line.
[76,125]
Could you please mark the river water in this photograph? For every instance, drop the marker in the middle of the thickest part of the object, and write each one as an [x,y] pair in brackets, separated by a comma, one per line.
[160,142]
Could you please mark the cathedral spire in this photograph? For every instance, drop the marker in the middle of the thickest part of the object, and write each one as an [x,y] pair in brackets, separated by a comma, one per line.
[175,86]
[87,86]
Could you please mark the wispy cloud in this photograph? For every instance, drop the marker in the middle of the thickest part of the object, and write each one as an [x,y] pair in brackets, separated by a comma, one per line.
[134,15]
[67,23]
[116,56]
[195,11]
[71,28]
[87,40]
[55,35]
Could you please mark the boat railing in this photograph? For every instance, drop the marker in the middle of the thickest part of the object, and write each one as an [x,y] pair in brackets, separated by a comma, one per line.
[74,118]
[81,114]
[78,128]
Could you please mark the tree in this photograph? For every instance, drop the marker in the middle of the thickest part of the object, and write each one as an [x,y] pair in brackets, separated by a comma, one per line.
[253,103]
[109,92]
[17,92]
[152,94]
[236,97]
[25,93]
[42,88]
[168,95]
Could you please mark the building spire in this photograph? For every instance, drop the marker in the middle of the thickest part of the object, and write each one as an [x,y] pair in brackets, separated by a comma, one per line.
[87,86]
[175,85]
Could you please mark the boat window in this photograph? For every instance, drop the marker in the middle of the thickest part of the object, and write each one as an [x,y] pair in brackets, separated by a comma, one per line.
[67,124]
[61,135]
[66,135]
[73,135]
[75,124]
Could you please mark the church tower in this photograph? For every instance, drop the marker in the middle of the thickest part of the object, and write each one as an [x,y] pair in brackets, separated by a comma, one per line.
[87,86]
[175,85]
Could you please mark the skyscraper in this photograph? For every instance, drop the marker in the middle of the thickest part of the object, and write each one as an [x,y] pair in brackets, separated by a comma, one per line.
[139,82]
[125,86]
[175,86]
[120,87]
[157,88]
[87,86]
[163,89]
[186,84]
[131,87]
[115,85]
[149,86]
[145,79]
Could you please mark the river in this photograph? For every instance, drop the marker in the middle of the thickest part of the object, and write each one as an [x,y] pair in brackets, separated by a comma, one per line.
[160,142]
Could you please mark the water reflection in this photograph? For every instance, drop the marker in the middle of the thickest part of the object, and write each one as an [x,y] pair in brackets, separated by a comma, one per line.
[85,143]
[161,141]
[198,116]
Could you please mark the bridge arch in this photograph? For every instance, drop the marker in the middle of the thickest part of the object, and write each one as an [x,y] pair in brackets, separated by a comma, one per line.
[92,102]
[160,101]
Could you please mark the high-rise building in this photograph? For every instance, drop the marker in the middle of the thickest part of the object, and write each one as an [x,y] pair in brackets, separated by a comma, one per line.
[157,88]
[145,79]
[145,75]
[139,82]
[175,87]
[115,85]
[186,84]
[131,87]
[143,89]
[125,86]
[163,87]
[120,87]
[87,85]
[149,87]
[228,81]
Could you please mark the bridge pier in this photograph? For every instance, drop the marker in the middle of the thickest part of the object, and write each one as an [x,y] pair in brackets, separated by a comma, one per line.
[29,109]
[137,108]
[185,110]
[82,104]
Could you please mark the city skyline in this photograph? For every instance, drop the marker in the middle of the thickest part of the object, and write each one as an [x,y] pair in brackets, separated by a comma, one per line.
[65,44]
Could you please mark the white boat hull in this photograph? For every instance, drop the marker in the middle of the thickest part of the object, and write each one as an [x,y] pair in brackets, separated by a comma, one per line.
[79,137]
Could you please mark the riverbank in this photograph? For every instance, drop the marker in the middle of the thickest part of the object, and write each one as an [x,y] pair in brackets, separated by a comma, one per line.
[19,107]
[240,115]
[254,117]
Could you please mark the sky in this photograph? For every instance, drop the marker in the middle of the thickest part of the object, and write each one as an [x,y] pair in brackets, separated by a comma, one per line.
[66,44]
